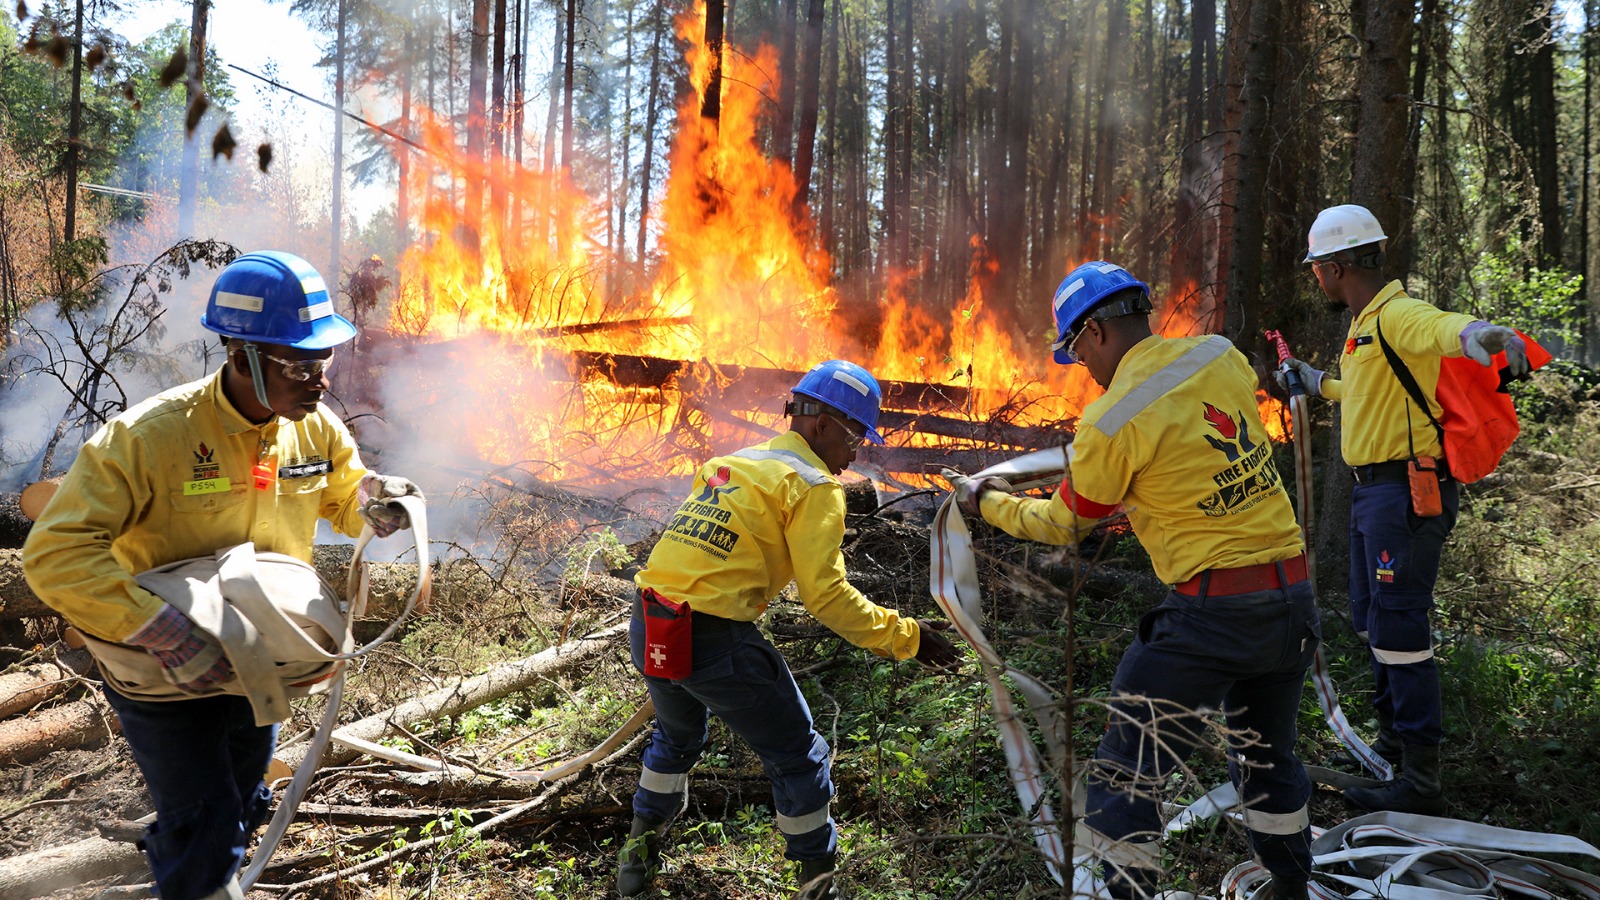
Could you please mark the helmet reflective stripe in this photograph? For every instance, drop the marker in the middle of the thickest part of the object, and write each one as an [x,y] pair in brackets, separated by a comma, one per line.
[1068,291]
[240,301]
[853,381]
[319,311]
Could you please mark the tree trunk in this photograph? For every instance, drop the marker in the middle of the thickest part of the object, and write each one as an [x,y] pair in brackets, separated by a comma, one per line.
[619,249]
[1380,163]
[194,89]
[783,116]
[1245,255]
[1546,159]
[69,225]
[907,113]
[658,27]
[1586,261]
[497,123]
[894,105]
[1110,124]
[44,871]
[711,104]
[477,90]
[830,156]
[810,88]
[402,150]
[27,738]
[336,214]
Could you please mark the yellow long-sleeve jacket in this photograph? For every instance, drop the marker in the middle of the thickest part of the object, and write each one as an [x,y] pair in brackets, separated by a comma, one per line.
[1177,442]
[171,479]
[756,519]
[1380,421]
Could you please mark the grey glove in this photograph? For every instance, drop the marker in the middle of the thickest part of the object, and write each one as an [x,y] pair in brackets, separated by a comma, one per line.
[1310,379]
[969,491]
[1480,341]
[375,495]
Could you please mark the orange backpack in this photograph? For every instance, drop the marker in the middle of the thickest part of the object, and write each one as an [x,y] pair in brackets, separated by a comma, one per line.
[1477,421]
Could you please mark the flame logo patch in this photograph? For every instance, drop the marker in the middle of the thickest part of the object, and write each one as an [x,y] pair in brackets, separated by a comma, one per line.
[203,455]
[1385,568]
[714,487]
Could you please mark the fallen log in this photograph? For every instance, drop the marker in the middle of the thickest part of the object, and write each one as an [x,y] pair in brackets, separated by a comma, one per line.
[345,814]
[16,598]
[25,689]
[1031,437]
[27,738]
[470,693]
[70,865]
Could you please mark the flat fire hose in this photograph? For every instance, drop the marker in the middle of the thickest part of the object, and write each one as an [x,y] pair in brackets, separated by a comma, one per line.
[1300,423]
[954,586]
[356,587]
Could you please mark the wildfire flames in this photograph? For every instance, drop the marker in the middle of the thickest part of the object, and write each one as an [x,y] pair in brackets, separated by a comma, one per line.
[739,282]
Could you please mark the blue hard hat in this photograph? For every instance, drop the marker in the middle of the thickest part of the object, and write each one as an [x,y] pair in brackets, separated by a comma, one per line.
[848,388]
[1081,291]
[275,298]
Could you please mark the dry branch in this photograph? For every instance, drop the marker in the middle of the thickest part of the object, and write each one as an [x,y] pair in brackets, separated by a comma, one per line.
[27,738]
[43,871]
[470,693]
[23,690]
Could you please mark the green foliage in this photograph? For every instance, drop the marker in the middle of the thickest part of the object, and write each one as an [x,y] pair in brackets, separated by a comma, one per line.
[1535,300]
[602,546]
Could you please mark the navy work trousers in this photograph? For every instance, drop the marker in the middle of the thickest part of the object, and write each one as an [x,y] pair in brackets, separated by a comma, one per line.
[204,761]
[1245,654]
[741,678]
[1394,563]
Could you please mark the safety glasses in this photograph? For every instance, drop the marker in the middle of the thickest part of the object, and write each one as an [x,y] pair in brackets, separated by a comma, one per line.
[301,369]
[856,440]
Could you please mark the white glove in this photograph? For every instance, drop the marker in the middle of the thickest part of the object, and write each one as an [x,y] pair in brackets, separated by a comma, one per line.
[1310,378]
[1480,341]
[969,491]
[375,493]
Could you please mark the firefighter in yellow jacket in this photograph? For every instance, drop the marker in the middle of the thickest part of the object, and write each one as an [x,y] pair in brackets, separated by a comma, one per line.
[754,520]
[247,454]
[1176,442]
[1389,440]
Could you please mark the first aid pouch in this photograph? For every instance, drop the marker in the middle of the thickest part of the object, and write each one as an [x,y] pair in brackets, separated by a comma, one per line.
[668,637]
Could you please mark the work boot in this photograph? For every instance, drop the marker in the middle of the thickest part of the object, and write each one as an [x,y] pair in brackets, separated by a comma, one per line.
[1387,746]
[816,879]
[640,857]
[1417,790]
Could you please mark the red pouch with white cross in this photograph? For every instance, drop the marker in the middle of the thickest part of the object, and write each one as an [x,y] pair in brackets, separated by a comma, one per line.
[668,638]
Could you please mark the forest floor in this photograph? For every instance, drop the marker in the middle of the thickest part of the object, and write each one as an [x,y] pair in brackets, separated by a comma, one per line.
[923,803]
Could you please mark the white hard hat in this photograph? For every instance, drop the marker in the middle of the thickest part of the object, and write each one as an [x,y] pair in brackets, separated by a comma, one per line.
[1341,228]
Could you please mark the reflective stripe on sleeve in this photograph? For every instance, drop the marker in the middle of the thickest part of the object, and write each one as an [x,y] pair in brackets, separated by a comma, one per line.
[662,783]
[805,824]
[812,475]
[1401,657]
[1277,823]
[1164,380]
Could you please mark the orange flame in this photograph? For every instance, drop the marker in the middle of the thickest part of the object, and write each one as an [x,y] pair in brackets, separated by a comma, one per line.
[740,282]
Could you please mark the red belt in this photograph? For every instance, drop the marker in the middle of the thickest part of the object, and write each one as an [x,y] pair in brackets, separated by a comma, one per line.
[1245,579]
